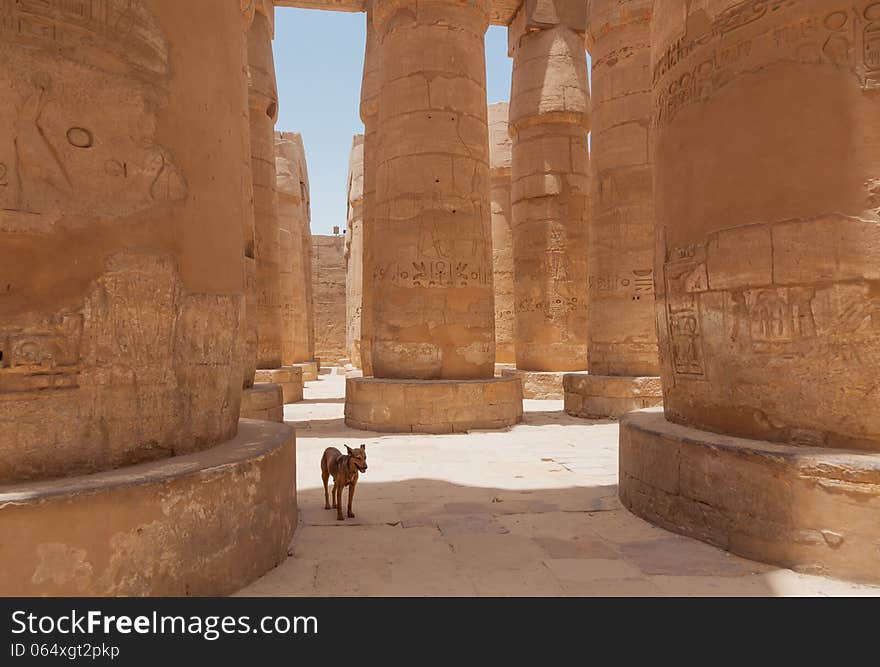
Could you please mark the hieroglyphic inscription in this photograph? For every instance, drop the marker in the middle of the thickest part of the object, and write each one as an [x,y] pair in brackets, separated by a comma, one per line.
[751,315]
[434,273]
[847,37]
[122,28]
[41,355]
[552,307]
[686,279]
[85,80]
[640,282]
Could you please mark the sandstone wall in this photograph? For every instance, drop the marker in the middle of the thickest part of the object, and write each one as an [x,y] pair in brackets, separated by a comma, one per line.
[328,288]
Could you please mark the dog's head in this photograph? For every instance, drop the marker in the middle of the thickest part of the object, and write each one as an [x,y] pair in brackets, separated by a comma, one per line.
[358,457]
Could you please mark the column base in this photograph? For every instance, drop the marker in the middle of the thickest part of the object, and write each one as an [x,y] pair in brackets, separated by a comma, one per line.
[540,385]
[500,368]
[432,406]
[812,509]
[263,401]
[290,378]
[603,396]
[204,524]
[309,369]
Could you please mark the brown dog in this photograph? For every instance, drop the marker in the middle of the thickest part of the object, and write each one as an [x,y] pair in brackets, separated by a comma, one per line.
[344,468]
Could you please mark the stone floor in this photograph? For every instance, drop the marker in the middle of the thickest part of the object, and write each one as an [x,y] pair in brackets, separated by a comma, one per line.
[524,512]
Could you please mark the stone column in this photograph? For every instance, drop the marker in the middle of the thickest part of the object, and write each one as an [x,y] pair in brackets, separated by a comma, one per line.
[249,337]
[502,239]
[623,360]
[122,314]
[767,155]
[370,116]
[259,401]
[549,121]
[432,287]
[293,214]
[354,252]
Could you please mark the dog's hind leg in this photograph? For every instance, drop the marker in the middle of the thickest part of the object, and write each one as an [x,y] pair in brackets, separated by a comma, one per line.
[350,496]
[325,476]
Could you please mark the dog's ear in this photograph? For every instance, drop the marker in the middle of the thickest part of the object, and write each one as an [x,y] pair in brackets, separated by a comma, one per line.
[364,447]
[348,449]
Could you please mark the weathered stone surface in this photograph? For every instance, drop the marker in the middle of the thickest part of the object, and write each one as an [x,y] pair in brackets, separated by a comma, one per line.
[263,401]
[500,147]
[440,406]
[309,370]
[292,187]
[598,396]
[768,227]
[814,509]
[203,524]
[289,378]
[263,99]
[500,11]
[354,253]
[120,328]
[431,271]
[549,120]
[622,335]
[369,112]
[328,285]
[546,385]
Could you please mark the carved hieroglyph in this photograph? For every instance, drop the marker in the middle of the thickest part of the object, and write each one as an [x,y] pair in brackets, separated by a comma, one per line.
[263,96]
[293,216]
[549,120]
[354,252]
[767,184]
[502,239]
[431,267]
[622,332]
[119,327]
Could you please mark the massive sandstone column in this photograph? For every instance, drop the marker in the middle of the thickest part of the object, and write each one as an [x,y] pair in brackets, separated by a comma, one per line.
[121,209]
[502,240]
[431,271]
[623,358]
[293,215]
[369,111]
[549,120]
[261,400]
[767,191]
[354,252]
[249,333]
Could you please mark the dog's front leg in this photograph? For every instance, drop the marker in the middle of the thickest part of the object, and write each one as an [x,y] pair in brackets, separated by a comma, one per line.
[338,498]
[350,496]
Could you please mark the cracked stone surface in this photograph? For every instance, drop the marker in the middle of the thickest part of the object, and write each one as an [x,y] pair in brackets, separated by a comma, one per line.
[530,511]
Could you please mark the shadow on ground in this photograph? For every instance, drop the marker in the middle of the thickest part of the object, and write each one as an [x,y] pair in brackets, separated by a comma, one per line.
[425,537]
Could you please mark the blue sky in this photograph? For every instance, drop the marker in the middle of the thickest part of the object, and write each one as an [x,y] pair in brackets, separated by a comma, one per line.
[319,58]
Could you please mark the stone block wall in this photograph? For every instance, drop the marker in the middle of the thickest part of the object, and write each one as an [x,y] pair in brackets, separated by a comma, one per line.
[328,287]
